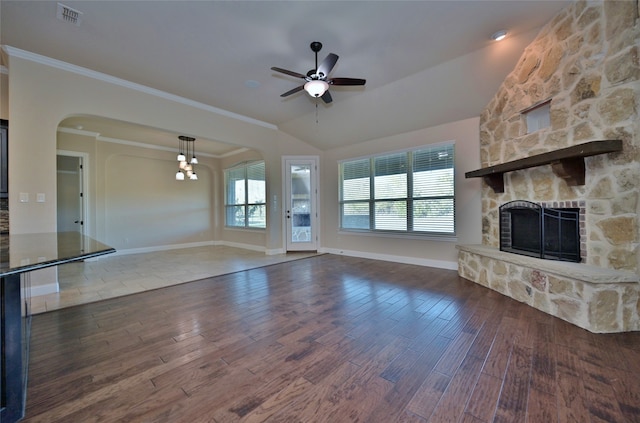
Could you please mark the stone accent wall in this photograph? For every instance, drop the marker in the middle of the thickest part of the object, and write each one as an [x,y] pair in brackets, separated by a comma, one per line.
[586,61]
[585,64]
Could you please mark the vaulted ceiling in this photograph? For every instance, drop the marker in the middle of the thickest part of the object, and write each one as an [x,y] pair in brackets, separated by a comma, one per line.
[425,62]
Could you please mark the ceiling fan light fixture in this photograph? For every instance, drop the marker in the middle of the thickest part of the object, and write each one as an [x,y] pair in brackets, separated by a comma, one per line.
[316,87]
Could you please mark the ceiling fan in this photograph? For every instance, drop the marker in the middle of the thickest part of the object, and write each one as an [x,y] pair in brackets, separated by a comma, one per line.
[317,80]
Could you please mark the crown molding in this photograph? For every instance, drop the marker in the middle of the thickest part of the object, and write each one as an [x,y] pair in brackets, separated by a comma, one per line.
[26,55]
[100,138]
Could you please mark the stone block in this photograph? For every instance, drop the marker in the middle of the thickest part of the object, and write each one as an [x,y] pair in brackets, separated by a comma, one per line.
[567,309]
[499,268]
[594,35]
[619,230]
[520,291]
[538,280]
[602,189]
[525,68]
[550,62]
[543,187]
[483,278]
[541,302]
[564,29]
[583,132]
[628,203]
[622,259]
[604,309]
[498,284]
[618,106]
[559,118]
[628,179]
[587,87]
[556,140]
[618,16]
[588,16]
[561,286]
[624,67]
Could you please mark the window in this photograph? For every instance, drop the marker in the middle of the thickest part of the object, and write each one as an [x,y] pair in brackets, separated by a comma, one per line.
[408,192]
[245,196]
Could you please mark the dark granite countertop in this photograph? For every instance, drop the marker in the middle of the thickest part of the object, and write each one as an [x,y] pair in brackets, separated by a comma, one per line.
[25,252]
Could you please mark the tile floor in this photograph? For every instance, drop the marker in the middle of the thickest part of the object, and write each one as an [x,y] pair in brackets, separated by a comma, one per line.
[117,275]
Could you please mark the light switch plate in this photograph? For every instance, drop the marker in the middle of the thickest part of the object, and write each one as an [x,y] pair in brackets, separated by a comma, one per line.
[40,197]
[24,197]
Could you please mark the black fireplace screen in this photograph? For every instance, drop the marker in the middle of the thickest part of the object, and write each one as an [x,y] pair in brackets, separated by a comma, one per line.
[552,233]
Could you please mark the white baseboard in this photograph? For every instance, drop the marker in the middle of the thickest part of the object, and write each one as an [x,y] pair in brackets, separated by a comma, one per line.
[275,251]
[439,264]
[243,246]
[126,251]
[251,247]
[50,288]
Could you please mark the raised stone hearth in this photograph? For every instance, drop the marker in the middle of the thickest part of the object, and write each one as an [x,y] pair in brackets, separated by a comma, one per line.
[594,298]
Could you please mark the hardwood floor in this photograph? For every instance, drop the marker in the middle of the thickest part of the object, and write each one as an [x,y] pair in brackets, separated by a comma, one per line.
[326,339]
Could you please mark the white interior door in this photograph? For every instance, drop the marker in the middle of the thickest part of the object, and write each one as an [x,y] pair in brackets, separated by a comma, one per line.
[70,196]
[301,205]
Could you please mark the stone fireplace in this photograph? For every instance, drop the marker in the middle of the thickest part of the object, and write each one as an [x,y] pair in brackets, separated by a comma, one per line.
[583,67]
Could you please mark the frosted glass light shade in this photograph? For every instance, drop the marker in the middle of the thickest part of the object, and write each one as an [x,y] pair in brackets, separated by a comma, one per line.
[316,87]
[179,176]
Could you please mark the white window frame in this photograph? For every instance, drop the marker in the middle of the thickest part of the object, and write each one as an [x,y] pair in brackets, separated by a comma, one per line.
[367,192]
[244,203]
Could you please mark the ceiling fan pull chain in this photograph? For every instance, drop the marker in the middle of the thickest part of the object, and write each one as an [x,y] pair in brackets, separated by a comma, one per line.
[316,110]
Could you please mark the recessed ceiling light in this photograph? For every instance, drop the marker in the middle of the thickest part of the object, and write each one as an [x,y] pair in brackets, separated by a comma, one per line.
[500,35]
[250,83]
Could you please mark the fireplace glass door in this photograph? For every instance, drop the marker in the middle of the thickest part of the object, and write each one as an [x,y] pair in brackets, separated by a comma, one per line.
[529,229]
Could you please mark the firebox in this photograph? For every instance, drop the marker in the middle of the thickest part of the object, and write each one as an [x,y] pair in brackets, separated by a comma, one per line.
[533,230]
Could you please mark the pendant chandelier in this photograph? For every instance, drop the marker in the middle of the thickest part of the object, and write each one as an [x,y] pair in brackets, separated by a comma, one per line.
[185,168]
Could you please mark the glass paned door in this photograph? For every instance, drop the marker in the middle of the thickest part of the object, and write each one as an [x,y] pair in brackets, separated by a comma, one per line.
[300,211]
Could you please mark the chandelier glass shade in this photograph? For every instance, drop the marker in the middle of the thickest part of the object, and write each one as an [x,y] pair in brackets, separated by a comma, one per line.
[186,145]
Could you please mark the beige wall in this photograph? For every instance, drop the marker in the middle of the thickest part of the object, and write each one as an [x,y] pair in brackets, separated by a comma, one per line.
[48,94]
[141,203]
[440,253]
[4,96]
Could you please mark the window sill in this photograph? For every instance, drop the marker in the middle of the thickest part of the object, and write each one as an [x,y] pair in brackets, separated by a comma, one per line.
[397,235]
[240,228]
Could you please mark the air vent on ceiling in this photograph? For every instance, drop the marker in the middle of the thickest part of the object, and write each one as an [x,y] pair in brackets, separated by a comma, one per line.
[67,14]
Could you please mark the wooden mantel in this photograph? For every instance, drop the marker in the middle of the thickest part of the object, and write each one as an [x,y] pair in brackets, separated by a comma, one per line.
[566,163]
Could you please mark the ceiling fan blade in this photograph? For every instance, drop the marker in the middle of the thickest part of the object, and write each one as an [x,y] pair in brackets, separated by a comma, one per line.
[347,81]
[326,97]
[288,72]
[327,64]
[293,91]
